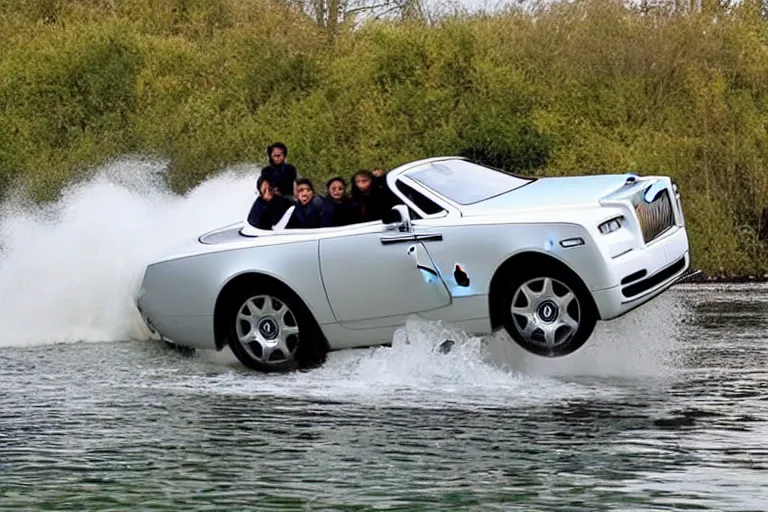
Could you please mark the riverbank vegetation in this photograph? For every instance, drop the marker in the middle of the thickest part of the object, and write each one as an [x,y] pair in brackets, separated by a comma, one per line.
[585,87]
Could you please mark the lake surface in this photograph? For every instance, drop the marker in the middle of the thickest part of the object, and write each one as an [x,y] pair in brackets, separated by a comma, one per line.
[664,409]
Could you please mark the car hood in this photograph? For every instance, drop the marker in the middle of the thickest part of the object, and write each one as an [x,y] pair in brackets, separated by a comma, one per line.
[552,193]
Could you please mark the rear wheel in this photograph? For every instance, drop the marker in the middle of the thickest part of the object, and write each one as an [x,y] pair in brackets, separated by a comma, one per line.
[270,330]
[548,312]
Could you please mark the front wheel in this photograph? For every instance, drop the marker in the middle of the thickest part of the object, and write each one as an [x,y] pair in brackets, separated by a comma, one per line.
[269,330]
[548,314]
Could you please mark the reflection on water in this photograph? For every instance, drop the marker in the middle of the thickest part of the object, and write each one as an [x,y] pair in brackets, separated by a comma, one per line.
[664,409]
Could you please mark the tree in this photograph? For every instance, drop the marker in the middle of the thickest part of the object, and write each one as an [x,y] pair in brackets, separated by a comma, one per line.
[332,14]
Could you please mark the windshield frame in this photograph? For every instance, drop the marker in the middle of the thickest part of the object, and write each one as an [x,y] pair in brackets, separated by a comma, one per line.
[516,180]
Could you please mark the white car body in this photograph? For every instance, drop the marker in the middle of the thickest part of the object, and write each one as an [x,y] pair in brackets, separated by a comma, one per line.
[362,281]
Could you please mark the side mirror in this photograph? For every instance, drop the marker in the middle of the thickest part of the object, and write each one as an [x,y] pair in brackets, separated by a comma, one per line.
[392,217]
[398,218]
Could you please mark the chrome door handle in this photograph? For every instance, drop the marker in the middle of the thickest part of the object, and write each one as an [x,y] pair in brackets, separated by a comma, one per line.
[430,237]
[397,239]
[410,237]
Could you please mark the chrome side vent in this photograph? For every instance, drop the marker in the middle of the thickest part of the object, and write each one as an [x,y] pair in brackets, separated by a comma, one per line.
[655,217]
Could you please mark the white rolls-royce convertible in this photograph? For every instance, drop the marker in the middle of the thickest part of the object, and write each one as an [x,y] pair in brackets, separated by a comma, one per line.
[477,247]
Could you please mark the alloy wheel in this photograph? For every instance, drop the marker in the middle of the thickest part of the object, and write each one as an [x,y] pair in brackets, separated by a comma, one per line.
[267,329]
[546,312]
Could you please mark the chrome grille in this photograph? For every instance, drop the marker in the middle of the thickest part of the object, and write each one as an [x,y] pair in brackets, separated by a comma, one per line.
[656,217]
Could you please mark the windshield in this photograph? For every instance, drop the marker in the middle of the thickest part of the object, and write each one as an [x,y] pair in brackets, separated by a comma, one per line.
[466,182]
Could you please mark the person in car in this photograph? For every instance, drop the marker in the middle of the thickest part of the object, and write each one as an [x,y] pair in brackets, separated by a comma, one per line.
[338,208]
[281,174]
[269,207]
[309,207]
[371,195]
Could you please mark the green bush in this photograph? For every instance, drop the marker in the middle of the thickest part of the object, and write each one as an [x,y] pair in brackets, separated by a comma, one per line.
[67,102]
[585,87]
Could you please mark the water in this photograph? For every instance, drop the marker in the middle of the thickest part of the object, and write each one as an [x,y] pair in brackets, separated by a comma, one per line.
[664,409]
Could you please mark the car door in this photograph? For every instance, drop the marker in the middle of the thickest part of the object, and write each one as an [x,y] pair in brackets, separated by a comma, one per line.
[379,274]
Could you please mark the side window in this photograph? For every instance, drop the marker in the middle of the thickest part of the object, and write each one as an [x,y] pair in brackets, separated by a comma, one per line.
[420,200]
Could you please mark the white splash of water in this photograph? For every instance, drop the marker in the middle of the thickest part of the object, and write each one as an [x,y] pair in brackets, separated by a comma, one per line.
[413,371]
[641,347]
[68,270]
[644,343]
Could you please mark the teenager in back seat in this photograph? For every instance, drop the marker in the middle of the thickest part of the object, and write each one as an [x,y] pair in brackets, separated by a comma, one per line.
[371,195]
[338,208]
[269,207]
[309,208]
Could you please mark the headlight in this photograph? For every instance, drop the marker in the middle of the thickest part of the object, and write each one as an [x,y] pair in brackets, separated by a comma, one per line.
[610,226]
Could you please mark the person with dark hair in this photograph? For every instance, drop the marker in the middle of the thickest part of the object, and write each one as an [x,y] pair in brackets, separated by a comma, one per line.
[338,208]
[281,174]
[372,196]
[269,207]
[309,206]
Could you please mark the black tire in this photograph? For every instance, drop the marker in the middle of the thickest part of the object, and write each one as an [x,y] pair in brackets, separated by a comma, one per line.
[301,350]
[545,313]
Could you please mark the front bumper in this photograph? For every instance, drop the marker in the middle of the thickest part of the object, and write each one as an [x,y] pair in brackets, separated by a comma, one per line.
[641,275]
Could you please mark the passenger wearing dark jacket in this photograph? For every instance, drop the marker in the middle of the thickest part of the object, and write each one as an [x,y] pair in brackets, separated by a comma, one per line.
[279,172]
[338,208]
[269,207]
[371,195]
[309,207]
